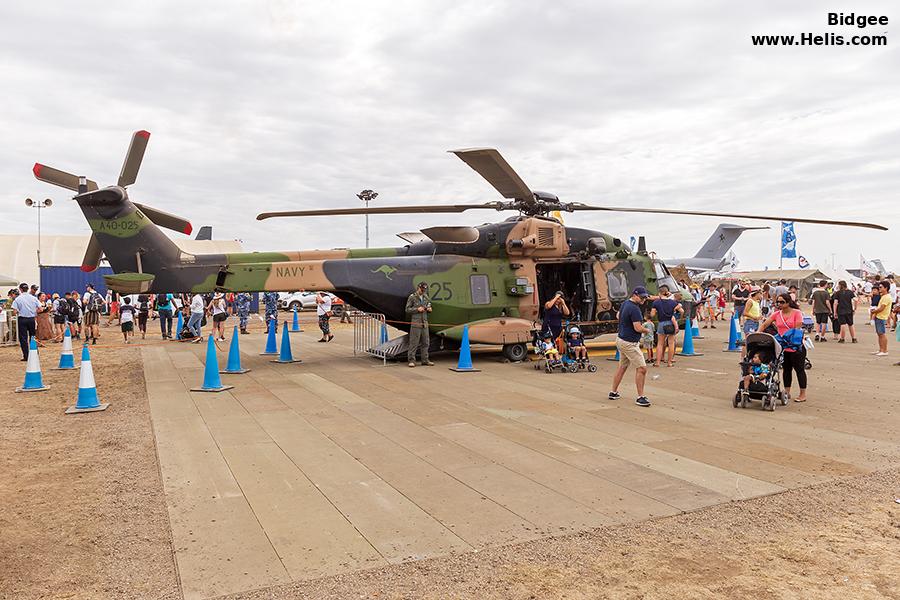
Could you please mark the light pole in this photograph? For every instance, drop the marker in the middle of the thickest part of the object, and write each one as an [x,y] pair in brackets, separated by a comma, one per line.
[39,204]
[367,196]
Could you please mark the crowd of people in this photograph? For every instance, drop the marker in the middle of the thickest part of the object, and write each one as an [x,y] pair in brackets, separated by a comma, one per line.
[774,307]
[46,317]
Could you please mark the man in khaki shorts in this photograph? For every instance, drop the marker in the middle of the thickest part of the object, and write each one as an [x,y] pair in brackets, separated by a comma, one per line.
[628,343]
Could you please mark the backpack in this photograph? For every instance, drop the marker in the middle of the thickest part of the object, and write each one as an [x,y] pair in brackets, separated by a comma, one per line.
[95,303]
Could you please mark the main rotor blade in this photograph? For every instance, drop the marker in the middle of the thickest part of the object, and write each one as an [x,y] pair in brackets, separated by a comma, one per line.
[491,165]
[133,158]
[164,219]
[663,211]
[60,178]
[92,255]
[382,210]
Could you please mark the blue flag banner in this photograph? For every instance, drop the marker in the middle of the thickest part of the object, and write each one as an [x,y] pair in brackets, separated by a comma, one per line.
[788,240]
[633,243]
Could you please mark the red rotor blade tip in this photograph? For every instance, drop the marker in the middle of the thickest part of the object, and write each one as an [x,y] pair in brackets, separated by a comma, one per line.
[37,169]
[188,229]
[143,134]
[88,268]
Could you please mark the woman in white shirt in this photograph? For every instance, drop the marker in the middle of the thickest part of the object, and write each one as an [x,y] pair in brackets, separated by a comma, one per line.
[219,314]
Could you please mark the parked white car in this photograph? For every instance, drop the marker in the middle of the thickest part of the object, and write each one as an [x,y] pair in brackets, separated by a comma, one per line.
[291,301]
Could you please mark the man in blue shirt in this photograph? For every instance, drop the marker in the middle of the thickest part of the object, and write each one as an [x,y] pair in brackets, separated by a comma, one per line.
[26,306]
[631,327]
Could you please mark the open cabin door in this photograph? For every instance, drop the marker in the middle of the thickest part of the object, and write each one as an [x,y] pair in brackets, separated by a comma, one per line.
[575,279]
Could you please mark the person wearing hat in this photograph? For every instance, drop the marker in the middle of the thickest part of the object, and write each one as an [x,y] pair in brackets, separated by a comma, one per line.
[219,311]
[554,310]
[628,344]
[418,305]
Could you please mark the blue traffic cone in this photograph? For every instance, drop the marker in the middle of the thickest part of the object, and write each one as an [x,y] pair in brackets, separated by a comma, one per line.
[286,356]
[295,326]
[384,334]
[179,326]
[615,358]
[33,380]
[687,347]
[740,337]
[898,334]
[695,332]
[465,355]
[67,357]
[271,346]
[733,338]
[87,388]
[211,380]
[234,356]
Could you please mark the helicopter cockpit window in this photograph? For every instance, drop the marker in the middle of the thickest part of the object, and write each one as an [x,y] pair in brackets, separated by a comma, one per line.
[617,282]
[481,289]
[663,277]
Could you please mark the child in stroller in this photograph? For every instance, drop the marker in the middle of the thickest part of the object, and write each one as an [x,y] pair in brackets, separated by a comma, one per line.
[761,373]
[545,347]
[576,352]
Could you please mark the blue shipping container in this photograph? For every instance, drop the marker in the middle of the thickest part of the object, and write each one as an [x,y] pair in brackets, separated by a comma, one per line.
[66,279]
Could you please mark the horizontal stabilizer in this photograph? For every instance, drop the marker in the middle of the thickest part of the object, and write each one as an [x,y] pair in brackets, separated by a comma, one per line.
[129,283]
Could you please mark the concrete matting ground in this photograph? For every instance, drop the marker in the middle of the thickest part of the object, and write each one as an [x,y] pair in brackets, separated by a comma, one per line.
[338,463]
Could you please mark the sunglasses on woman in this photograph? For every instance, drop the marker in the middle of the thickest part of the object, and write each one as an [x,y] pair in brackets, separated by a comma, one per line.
[780,302]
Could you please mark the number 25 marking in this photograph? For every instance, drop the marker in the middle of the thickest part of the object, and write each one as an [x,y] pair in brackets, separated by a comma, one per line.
[440,291]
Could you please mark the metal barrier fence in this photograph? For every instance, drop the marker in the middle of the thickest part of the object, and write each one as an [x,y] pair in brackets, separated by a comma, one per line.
[369,332]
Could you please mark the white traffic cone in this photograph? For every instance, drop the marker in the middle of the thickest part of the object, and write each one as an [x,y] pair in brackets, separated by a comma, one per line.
[66,357]
[87,388]
[33,379]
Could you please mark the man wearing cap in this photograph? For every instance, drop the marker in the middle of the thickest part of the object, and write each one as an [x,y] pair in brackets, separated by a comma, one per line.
[26,307]
[418,305]
[631,327]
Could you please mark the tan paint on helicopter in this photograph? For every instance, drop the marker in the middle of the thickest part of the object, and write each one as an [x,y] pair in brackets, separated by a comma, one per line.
[498,330]
[541,238]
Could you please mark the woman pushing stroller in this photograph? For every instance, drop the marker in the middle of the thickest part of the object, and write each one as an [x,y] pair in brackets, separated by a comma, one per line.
[787,317]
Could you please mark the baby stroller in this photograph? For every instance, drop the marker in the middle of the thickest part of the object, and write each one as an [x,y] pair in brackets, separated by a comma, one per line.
[545,347]
[767,390]
[570,361]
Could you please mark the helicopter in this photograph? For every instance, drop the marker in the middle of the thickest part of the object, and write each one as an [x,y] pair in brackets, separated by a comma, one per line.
[493,278]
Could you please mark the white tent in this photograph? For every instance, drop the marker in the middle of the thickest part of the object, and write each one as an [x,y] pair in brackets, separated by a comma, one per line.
[18,253]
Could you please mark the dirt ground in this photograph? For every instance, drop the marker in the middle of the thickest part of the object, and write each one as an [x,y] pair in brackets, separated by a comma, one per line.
[83,513]
[836,540]
[84,517]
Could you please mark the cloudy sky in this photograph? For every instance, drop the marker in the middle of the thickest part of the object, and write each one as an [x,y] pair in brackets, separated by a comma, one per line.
[287,105]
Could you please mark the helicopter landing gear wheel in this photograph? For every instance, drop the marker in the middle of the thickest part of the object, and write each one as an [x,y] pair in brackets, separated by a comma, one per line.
[515,352]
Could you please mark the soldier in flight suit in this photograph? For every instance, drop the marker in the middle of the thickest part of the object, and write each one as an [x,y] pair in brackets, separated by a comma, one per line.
[418,305]
[271,301]
[242,305]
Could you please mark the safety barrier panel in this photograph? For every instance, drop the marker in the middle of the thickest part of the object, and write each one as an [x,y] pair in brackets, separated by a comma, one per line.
[369,334]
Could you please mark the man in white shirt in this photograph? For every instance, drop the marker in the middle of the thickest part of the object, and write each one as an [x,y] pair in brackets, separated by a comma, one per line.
[323,311]
[197,308]
[26,307]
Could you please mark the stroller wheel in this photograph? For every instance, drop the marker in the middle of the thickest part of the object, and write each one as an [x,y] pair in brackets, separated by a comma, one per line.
[808,364]
[783,398]
[573,369]
[745,400]
[737,400]
[768,403]
[592,368]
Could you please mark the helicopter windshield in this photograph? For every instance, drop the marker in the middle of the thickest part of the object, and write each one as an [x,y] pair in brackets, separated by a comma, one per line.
[663,277]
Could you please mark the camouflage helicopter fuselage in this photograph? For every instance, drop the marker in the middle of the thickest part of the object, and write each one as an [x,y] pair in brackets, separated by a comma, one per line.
[488,277]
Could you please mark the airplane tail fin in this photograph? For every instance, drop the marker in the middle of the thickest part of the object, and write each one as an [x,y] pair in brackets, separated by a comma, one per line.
[721,241]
